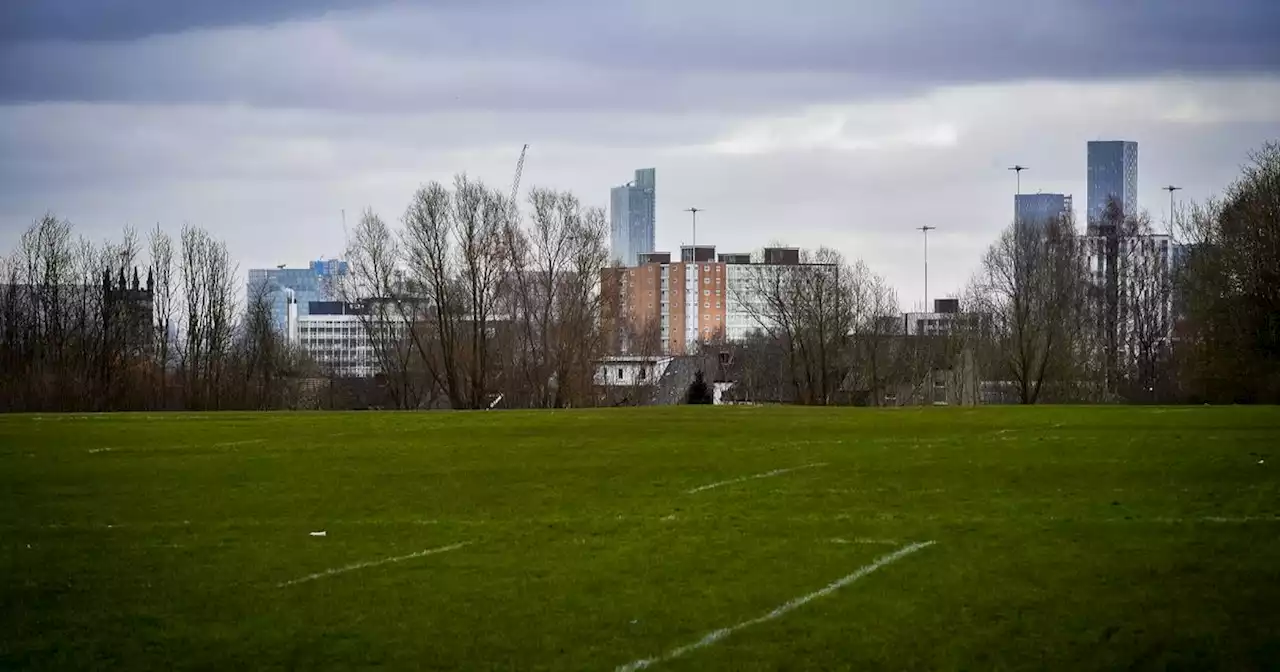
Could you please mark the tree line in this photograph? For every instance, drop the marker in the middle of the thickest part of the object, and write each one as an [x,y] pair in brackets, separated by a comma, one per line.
[494,309]
[132,324]
[465,302]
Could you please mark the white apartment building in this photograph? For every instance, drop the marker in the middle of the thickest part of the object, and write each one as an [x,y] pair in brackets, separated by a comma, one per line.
[337,337]
[1144,280]
[745,309]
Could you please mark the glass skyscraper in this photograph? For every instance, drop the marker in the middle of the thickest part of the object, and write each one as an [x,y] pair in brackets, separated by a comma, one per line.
[1113,173]
[308,284]
[631,218]
[1036,211]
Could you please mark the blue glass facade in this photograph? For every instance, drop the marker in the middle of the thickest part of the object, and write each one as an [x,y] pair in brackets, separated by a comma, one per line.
[631,218]
[308,284]
[1036,211]
[1113,173]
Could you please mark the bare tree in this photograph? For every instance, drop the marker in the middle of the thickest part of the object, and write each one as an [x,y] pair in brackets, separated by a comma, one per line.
[1032,288]
[391,311]
[552,302]
[209,290]
[195,293]
[454,254]
[876,332]
[1146,304]
[165,302]
[432,269]
[480,215]
[809,309]
[262,349]
[47,255]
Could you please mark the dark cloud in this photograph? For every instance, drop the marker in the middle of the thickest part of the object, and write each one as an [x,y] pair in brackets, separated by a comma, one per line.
[92,20]
[660,55]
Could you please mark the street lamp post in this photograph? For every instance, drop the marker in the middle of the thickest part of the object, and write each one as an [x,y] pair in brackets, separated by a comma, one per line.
[926,229]
[1171,189]
[695,212]
[1017,171]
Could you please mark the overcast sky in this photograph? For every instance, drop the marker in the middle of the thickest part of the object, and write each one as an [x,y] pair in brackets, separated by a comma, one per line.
[833,122]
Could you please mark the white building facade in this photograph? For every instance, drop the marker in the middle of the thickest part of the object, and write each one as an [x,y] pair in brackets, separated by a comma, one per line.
[700,298]
[339,339]
[1141,268]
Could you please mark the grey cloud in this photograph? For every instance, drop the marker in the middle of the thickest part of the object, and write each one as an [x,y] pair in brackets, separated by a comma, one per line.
[567,54]
[272,182]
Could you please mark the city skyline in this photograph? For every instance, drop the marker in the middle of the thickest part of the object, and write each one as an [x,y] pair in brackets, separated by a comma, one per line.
[810,126]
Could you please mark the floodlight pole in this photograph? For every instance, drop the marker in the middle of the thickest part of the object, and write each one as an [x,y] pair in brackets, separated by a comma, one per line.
[695,212]
[1017,171]
[926,229]
[1171,189]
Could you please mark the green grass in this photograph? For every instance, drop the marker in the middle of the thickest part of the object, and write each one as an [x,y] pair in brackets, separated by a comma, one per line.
[1067,538]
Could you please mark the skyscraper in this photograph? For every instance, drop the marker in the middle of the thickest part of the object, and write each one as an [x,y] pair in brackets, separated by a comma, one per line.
[1036,211]
[631,218]
[1113,173]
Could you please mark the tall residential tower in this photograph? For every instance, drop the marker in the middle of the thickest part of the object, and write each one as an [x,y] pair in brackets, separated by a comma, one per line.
[1113,173]
[631,218]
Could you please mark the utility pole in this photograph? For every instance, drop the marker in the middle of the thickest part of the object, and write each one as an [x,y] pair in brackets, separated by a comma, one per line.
[1171,189]
[695,212]
[926,229]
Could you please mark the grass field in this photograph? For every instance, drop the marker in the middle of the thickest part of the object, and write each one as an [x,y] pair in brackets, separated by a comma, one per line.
[1065,538]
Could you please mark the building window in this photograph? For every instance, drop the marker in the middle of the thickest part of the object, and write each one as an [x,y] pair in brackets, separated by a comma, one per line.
[642,375]
[706,292]
[619,374]
[706,280]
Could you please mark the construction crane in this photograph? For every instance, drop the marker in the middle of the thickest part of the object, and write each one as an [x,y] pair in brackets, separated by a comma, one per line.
[515,184]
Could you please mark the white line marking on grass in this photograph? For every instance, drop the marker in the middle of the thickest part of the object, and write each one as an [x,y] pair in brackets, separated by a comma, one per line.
[371,563]
[100,450]
[717,635]
[1213,519]
[775,472]
[228,444]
